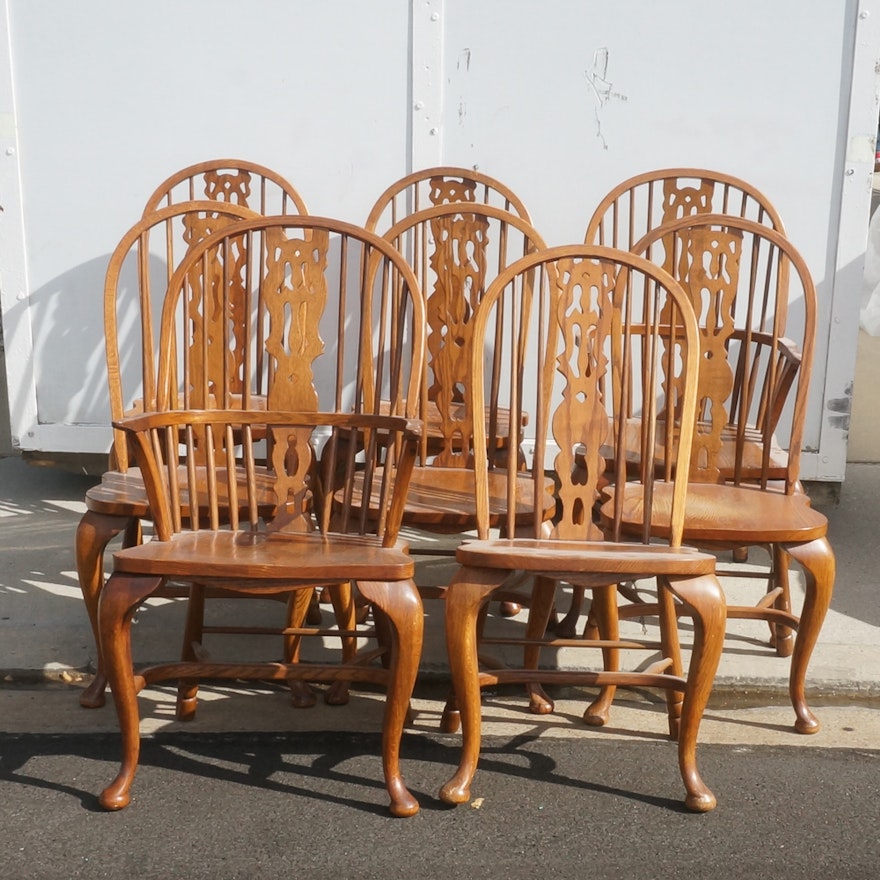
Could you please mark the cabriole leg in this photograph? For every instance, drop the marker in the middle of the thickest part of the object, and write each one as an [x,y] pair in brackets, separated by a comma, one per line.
[705,599]
[93,534]
[603,610]
[121,596]
[465,596]
[402,605]
[817,559]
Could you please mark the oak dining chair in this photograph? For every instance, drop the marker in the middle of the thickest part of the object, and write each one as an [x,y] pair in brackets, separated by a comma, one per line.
[585,320]
[175,217]
[757,303]
[641,203]
[243,467]
[313,333]
[455,250]
[135,283]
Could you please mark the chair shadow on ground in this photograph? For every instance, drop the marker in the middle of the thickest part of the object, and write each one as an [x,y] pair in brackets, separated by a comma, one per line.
[342,769]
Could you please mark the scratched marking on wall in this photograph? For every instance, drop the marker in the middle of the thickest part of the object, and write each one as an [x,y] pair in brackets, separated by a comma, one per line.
[602,89]
[464,60]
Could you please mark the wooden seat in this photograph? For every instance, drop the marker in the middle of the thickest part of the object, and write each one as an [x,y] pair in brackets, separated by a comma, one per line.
[296,550]
[753,391]
[573,329]
[442,185]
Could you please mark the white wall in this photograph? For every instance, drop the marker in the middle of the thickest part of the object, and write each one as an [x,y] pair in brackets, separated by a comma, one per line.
[561,100]
[111,97]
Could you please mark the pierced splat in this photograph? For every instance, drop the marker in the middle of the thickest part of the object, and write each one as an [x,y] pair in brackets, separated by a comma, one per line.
[582,299]
[458,262]
[293,462]
[216,308]
[708,267]
[228,186]
[444,191]
[231,182]
[685,201]
[294,298]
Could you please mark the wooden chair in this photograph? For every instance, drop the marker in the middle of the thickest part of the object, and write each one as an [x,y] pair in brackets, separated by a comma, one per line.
[320,292]
[630,213]
[441,186]
[413,194]
[297,549]
[579,331]
[234,181]
[642,203]
[744,278]
[173,220]
[138,273]
[313,285]
[455,251]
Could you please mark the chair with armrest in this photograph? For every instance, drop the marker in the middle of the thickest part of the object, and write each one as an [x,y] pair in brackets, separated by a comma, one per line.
[137,278]
[745,280]
[298,419]
[327,323]
[296,550]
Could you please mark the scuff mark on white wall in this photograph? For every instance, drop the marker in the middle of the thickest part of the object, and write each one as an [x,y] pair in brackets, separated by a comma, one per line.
[602,89]
[464,59]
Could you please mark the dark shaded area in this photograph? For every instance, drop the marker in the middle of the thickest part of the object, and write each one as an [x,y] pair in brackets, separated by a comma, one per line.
[242,806]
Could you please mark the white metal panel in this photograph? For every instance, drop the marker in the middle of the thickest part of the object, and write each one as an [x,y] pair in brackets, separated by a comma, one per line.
[112,97]
[563,100]
[560,100]
[428,26]
[847,234]
[14,311]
